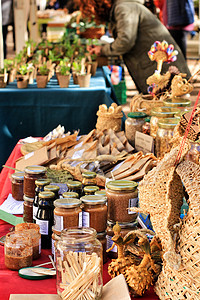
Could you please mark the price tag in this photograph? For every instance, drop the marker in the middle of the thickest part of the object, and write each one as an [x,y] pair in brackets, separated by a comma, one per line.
[144,142]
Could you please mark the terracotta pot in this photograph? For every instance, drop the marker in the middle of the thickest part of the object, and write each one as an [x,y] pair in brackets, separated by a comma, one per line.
[84,80]
[75,78]
[63,80]
[22,81]
[41,81]
[3,80]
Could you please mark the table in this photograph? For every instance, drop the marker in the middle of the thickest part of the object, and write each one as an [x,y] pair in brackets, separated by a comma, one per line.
[35,112]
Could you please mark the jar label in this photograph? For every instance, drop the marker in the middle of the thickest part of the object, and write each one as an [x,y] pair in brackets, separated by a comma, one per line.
[110,243]
[133,202]
[85,219]
[80,219]
[40,246]
[58,223]
[44,226]
[35,209]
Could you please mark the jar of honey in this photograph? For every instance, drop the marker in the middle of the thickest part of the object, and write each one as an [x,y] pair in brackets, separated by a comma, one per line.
[90,189]
[31,174]
[75,187]
[28,209]
[18,186]
[70,195]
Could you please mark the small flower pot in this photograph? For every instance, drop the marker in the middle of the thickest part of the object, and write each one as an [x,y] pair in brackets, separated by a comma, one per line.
[12,75]
[41,81]
[22,81]
[75,78]
[63,80]
[84,80]
[94,65]
[3,80]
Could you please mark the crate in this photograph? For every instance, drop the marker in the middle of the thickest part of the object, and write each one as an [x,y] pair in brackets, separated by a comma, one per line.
[120,91]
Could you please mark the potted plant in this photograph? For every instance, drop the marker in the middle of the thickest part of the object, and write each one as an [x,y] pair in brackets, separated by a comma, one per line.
[3,78]
[92,63]
[83,76]
[42,76]
[22,76]
[63,74]
[9,65]
[76,69]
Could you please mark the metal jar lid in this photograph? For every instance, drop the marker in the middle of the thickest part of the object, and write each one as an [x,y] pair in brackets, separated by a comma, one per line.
[89,174]
[168,123]
[164,112]
[29,199]
[74,184]
[177,102]
[18,175]
[46,195]
[101,192]
[51,188]
[91,189]
[93,199]
[42,182]
[67,203]
[122,185]
[35,170]
[70,195]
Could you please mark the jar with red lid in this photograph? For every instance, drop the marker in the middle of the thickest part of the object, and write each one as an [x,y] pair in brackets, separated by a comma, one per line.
[31,174]
[28,209]
[18,186]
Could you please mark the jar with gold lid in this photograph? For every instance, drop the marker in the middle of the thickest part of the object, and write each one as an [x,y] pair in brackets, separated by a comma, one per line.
[121,196]
[160,113]
[70,195]
[164,136]
[28,209]
[18,185]
[89,178]
[101,193]
[52,188]
[31,174]
[67,213]
[94,212]
[90,189]
[75,187]
[182,104]
[40,184]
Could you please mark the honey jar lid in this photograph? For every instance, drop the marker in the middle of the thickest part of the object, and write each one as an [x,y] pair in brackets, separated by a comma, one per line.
[122,185]
[35,170]
[93,199]
[42,182]
[91,189]
[26,198]
[67,203]
[168,123]
[70,195]
[101,192]
[51,188]
[18,175]
[89,174]
[74,184]
[164,111]
[177,102]
[46,195]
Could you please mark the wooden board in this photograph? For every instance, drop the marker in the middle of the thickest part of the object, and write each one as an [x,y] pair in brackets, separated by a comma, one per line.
[33,297]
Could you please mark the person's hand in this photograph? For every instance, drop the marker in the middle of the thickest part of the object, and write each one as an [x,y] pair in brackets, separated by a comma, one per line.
[94,50]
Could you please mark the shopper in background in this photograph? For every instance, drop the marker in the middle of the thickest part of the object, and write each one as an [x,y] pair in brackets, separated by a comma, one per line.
[134,29]
[7,19]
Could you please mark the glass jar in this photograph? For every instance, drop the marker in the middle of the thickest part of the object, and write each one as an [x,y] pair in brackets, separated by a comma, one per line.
[90,189]
[70,195]
[31,174]
[164,135]
[125,228]
[89,178]
[34,231]
[160,113]
[101,193]
[40,184]
[121,195]
[54,239]
[44,218]
[67,213]
[134,123]
[28,209]
[146,126]
[18,185]
[101,236]
[52,188]
[194,152]
[80,249]
[179,103]
[18,250]
[94,212]
[75,187]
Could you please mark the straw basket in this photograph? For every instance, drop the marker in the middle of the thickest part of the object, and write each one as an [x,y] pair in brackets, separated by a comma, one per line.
[109,121]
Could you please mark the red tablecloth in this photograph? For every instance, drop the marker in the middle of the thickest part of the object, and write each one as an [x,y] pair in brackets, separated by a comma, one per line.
[11,282]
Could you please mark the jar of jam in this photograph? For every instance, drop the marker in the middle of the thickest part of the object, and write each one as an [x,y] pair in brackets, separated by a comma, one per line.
[80,246]
[34,231]
[101,193]
[125,228]
[44,218]
[28,209]
[121,195]
[90,189]
[40,184]
[18,186]
[31,174]
[134,123]
[54,239]
[52,188]
[75,187]
[89,178]
[67,213]
[101,236]
[18,250]
[70,195]
[94,212]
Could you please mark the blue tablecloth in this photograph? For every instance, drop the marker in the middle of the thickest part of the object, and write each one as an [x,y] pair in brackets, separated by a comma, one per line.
[35,112]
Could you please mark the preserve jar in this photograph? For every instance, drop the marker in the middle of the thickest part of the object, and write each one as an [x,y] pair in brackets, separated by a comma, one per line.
[164,135]
[40,184]
[70,195]
[146,126]
[44,218]
[94,212]
[54,239]
[182,104]
[75,187]
[34,231]
[90,189]
[89,178]
[67,213]
[134,123]
[194,152]
[28,209]
[18,250]
[18,185]
[52,188]
[80,249]
[31,174]
[125,228]
[101,236]
[160,113]
[121,195]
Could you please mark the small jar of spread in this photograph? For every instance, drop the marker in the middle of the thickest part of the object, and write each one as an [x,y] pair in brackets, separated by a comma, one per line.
[89,178]
[75,187]
[94,212]
[70,195]
[18,250]
[134,123]
[18,186]
[102,238]
[34,231]
[40,184]
[90,189]
[52,188]
[54,239]
[28,209]
[44,218]
[101,193]
[121,196]
[67,213]
[31,174]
